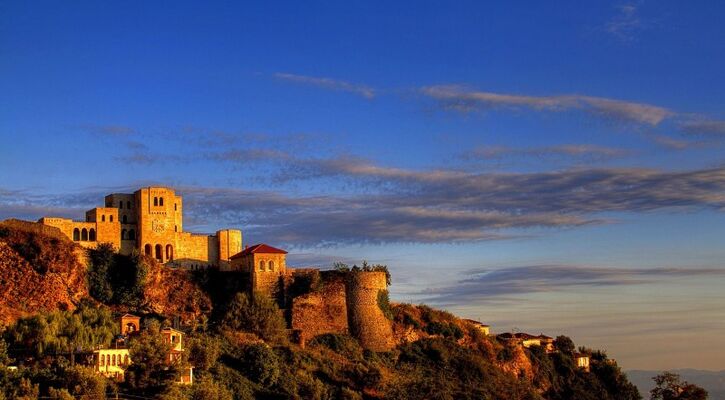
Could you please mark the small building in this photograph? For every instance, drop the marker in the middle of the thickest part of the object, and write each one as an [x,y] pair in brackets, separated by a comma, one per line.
[582,361]
[173,337]
[112,363]
[527,340]
[130,324]
[266,266]
[485,329]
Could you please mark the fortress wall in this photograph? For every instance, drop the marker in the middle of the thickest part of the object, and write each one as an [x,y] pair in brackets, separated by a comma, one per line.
[321,312]
[365,319]
[191,248]
[230,243]
[65,225]
[127,211]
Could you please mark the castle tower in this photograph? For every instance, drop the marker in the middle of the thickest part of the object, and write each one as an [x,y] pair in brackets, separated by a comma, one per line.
[266,266]
[158,212]
[366,320]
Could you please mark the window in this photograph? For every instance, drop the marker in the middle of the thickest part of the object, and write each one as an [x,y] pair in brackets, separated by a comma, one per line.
[103,218]
[176,228]
[125,359]
[131,234]
[125,220]
[76,234]
[84,234]
[113,359]
[120,205]
[271,266]
[128,205]
[261,265]
[147,250]
[175,206]
[169,252]
[161,201]
[156,201]
[92,235]
[159,255]
[102,359]
[110,218]
[123,234]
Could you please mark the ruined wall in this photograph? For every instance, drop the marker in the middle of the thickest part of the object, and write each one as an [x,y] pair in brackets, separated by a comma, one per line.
[366,321]
[323,311]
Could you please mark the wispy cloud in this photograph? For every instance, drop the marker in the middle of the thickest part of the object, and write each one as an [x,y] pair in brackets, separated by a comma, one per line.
[329,83]
[108,130]
[626,23]
[482,284]
[577,151]
[463,99]
[705,127]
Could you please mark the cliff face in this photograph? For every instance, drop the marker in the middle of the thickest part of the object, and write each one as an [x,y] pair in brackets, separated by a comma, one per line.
[38,273]
[173,292]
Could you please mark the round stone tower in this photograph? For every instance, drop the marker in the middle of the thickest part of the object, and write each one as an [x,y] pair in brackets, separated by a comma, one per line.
[366,320]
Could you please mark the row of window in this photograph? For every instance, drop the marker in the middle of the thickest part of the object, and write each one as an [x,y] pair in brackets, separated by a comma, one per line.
[128,235]
[84,235]
[270,265]
[110,218]
[113,360]
[159,252]
[159,202]
[120,205]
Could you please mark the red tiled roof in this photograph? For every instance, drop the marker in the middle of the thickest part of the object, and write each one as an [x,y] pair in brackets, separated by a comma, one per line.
[258,248]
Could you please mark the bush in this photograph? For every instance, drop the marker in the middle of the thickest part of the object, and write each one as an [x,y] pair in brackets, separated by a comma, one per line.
[260,364]
[341,344]
[260,316]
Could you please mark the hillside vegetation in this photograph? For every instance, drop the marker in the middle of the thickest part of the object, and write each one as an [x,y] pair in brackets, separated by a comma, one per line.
[240,347]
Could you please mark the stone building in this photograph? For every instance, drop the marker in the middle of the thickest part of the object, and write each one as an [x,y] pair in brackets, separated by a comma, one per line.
[266,266]
[150,221]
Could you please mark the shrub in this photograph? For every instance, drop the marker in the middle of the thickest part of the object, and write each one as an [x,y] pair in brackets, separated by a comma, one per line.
[260,316]
[342,344]
[260,364]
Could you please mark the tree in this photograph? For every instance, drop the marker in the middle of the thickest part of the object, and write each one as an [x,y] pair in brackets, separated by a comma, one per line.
[259,316]
[101,261]
[150,371]
[669,387]
[564,344]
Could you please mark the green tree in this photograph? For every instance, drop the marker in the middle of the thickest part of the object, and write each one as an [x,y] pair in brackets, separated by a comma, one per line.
[150,372]
[260,316]
[564,344]
[668,386]
[101,260]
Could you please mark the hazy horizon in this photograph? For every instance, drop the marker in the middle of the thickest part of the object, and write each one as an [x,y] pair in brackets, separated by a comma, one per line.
[553,170]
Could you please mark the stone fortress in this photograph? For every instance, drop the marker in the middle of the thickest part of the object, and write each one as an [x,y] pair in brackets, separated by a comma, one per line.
[314,302]
[150,221]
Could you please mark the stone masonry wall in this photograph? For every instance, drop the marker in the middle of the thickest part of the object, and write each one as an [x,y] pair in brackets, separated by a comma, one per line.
[366,321]
[321,312]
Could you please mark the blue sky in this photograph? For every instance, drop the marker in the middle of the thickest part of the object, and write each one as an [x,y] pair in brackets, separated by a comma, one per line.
[553,169]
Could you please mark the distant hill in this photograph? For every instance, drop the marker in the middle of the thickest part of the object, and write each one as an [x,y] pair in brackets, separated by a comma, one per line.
[712,381]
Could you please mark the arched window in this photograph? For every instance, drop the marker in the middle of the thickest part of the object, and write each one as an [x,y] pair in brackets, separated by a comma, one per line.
[176,228]
[156,201]
[76,234]
[159,255]
[102,359]
[161,201]
[113,359]
[131,234]
[125,359]
[108,359]
[92,235]
[128,205]
[123,234]
[110,218]
[271,266]
[261,265]
[169,252]
[120,205]
[175,206]
[147,250]
[124,219]
[103,218]
[84,234]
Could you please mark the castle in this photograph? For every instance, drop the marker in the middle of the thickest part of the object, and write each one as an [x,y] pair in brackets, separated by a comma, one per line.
[314,302]
[150,221]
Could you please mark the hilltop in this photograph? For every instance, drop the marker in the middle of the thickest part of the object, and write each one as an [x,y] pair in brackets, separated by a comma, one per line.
[243,347]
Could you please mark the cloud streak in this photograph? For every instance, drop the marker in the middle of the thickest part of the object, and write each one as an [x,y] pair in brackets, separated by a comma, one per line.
[329,83]
[461,98]
[577,151]
[484,283]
